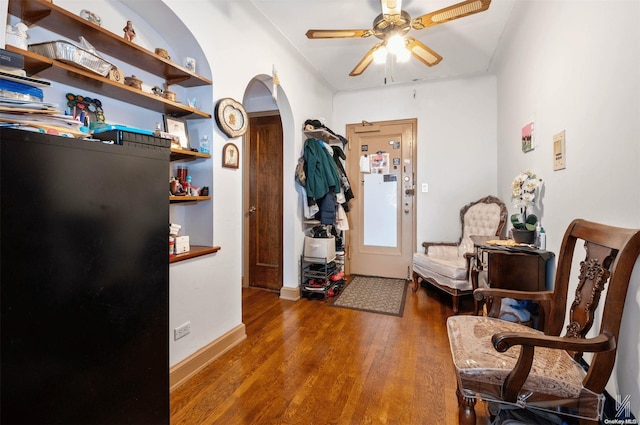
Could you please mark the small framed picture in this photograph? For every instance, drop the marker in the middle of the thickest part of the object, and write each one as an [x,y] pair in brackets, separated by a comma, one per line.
[177,127]
[527,140]
[230,156]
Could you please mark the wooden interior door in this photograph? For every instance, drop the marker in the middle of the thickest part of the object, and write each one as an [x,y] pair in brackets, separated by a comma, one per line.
[264,204]
[381,169]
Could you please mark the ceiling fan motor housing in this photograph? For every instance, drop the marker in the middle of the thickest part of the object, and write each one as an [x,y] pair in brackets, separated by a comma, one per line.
[387,25]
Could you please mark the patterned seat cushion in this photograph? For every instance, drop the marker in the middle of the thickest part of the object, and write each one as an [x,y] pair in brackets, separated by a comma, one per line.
[553,373]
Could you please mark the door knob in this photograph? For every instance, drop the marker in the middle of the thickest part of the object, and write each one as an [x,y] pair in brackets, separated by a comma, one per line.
[252,209]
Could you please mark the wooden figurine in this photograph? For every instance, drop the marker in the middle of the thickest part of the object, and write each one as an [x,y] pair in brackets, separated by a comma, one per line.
[129,32]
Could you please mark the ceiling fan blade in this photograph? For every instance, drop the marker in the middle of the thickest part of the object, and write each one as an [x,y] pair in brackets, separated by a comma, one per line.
[459,10]
[314,34]
[391,7]
[364,62]
[422,52]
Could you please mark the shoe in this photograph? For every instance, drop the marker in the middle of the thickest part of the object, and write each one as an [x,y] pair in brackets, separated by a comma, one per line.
[333,291]
[337,276]
[315,283]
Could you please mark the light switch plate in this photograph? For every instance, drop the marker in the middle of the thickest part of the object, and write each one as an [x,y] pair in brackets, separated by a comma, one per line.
[425,187]
[559,152]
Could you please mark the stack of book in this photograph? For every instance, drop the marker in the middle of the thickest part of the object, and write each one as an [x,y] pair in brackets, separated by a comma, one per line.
[22,101]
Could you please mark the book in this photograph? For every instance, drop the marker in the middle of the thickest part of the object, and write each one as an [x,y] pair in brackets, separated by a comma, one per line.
[25,80]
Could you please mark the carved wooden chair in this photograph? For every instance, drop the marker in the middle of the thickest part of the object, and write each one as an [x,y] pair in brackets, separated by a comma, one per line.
[446,265]
[507,364]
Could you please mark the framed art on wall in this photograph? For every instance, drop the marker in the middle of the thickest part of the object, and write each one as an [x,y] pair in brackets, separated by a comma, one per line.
[231,117]
[230,156]
[527,138]
[177,127]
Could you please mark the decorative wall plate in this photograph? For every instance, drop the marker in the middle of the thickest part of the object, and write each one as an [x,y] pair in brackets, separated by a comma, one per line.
[231,117]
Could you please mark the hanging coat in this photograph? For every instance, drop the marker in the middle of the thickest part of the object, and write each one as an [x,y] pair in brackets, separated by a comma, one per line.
[322,174]
[338,154]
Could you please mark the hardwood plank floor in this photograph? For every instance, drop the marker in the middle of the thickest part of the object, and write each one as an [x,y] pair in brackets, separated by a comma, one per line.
[306,362]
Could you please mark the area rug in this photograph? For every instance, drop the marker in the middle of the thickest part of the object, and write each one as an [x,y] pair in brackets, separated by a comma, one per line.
[374,294]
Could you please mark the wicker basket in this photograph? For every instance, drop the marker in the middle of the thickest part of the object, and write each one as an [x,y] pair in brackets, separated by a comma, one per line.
[72,54]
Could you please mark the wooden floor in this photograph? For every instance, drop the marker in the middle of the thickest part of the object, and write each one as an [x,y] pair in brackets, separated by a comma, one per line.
[306,362]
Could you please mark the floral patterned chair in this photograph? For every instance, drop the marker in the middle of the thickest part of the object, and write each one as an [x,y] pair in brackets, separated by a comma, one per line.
[446,265]
[513,366]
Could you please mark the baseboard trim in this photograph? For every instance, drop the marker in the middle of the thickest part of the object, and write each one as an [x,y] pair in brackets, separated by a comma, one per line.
[184,370]
[290,294]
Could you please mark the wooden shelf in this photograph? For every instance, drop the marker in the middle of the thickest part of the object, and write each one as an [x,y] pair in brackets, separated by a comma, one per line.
[195,251]
[54,18]
[179,199]
[61,72]
[65,24]
[181,154]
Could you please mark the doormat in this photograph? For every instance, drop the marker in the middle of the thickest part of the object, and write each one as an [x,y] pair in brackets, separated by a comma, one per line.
[374,294]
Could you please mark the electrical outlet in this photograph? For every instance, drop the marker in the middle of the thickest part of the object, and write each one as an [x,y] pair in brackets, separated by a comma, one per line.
[181,331]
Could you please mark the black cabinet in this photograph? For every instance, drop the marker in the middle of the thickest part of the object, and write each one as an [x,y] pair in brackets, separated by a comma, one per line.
[85,272]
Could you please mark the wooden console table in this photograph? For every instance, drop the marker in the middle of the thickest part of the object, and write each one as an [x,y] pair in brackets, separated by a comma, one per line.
[520,268]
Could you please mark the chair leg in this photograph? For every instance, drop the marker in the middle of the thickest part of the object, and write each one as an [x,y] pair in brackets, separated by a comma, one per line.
[456,304]
[415,282]
[466,409]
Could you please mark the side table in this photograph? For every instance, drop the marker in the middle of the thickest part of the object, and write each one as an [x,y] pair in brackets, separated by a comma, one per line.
[521,268]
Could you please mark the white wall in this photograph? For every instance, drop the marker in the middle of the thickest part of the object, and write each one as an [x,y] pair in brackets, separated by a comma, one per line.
[456,152]
[575,66]
[238,47]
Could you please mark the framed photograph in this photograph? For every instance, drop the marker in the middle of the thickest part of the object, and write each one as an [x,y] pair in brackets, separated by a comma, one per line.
[177,127]
[230,156]
[527,138]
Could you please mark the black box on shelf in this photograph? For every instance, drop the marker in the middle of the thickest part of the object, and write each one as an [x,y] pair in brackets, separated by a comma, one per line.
[10,59]
[122,137]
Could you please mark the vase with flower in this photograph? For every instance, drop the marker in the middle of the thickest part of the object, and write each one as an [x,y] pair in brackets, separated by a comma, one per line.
[523,194]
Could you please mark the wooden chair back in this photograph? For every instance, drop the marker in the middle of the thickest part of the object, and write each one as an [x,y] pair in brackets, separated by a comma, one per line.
[611,253]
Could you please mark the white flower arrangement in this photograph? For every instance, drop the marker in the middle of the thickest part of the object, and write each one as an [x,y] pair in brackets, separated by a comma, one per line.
[523,195]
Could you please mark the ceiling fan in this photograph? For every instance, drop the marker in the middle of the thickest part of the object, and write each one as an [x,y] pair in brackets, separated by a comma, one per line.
[393,24]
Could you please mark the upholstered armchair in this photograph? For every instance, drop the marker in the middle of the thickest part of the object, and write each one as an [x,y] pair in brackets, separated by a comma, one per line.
[512,366]
[446,265]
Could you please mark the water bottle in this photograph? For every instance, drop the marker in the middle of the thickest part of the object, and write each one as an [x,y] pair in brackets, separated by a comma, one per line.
[187,186]
[204,144]
[542,239]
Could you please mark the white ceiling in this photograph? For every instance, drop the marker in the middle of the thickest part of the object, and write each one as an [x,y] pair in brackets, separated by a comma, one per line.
[467,45]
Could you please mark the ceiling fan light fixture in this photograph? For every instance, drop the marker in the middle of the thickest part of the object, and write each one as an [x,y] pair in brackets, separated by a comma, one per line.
[380,54]
[396,44]
[403,55]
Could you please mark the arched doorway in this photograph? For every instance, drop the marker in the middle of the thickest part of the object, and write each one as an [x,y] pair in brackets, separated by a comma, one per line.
[263,190]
